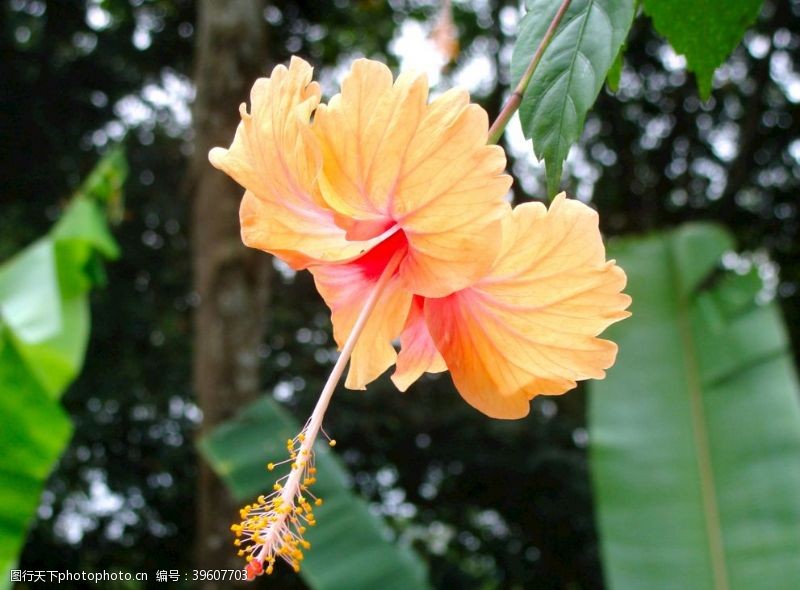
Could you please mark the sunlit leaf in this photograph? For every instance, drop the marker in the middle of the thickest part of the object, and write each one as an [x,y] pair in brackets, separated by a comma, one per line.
[55,362]
[695,433]
[570,74]
[351,547]
[29,293]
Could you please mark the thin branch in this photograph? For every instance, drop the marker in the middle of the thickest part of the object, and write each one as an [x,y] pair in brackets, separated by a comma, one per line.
[513,102]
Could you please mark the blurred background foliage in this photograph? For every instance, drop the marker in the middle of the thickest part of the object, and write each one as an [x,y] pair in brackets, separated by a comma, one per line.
[488,504]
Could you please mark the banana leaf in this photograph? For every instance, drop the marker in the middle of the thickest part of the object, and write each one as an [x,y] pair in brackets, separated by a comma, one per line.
[44,332]
[695,433]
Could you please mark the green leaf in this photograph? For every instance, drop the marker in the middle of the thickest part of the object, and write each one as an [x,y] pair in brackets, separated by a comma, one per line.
[82,240]
[34,433]
[350,546]
[705,31]
[695,433]
[58,360]
[44,331]
[84,221]
[104,183]
[29,293]
[5,574]
[570,74]
[615,72]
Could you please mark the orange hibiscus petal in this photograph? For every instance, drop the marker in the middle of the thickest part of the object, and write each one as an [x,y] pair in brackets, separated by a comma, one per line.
[418,353]
[529,327]
[275,156]
[353,130]
[345,288]
[389,158]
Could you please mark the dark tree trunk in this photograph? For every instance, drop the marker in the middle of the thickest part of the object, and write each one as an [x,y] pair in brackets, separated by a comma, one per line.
[231,280]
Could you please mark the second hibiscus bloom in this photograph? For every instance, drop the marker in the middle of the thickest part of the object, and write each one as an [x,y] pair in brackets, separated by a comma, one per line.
[510,301]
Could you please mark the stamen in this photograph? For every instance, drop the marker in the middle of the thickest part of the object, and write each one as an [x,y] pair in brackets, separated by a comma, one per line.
[273,526]
[331,441]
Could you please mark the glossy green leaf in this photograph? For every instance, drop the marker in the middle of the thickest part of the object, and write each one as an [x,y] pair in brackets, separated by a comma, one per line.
[44,331]
[570,74]
[705,31]
[695,433]
[351,547]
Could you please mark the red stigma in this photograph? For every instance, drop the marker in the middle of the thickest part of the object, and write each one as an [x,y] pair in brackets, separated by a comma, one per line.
[253,569]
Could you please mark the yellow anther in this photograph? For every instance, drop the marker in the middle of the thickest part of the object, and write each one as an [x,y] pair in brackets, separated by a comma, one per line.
[332,442]
[282,515]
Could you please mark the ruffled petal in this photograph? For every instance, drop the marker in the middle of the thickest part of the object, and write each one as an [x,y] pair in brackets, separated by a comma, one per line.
[418,353]
[275,156]
[359,133]
[529,327]
[345,288]
[450,197]
[297,240]
[389,158]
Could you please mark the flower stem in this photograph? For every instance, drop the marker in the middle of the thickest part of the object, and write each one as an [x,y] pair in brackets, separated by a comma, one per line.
[315,422]
[292,486]
[515,100]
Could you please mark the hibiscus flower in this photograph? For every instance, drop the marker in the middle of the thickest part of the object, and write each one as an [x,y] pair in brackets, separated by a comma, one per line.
[398,208]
